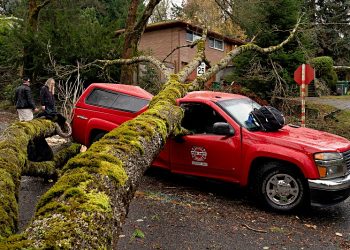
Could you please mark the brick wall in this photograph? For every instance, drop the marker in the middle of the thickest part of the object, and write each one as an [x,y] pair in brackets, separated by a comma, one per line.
[160,43]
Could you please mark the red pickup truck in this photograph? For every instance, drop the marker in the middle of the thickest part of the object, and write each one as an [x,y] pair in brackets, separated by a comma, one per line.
[287,169]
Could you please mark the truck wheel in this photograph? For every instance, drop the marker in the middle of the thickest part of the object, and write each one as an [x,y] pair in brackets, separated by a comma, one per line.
[97,136]
[281,188]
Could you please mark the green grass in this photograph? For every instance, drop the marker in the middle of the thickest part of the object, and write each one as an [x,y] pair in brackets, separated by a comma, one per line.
[7,105]
[340,125]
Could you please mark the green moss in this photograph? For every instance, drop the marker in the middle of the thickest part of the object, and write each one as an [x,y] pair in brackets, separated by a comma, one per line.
[71,179]
[52,206]
[97,201]
[73,192]
[8,204]
[201,46]
[116,172]
[16,241]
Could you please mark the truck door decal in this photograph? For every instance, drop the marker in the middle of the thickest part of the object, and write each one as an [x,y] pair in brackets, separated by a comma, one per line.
[199,155]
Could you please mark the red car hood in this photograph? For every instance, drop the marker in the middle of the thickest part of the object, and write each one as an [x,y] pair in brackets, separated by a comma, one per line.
[307,139]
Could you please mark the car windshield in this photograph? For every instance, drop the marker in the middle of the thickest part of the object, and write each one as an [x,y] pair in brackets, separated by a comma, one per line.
[239,109]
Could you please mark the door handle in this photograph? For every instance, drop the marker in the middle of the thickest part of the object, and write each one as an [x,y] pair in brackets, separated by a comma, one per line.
[82,117]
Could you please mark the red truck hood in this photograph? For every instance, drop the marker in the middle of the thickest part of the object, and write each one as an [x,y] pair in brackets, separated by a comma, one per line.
[307,139]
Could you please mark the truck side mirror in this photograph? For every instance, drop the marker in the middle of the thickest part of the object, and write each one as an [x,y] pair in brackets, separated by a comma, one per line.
[223,128]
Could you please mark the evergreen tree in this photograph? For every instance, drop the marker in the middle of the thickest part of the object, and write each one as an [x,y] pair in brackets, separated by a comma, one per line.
[261,73]
[332,29]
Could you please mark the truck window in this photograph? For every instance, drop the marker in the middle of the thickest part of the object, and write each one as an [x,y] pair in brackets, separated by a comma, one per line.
[200,118]
[114,100]
[239,110]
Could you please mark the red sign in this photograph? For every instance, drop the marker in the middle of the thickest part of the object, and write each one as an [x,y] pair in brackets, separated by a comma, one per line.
[309,74]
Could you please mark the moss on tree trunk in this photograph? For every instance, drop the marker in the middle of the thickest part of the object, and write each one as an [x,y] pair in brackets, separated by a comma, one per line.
[14,163]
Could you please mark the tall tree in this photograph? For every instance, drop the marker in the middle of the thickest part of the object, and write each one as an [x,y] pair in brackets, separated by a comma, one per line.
[332,29]
[261,73]
[208,13]
[133,31]
[34,8]
[54,39]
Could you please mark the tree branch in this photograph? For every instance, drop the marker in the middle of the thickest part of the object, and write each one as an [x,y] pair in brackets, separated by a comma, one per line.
[343,67]
[199,81]
[179,47]
[134,60]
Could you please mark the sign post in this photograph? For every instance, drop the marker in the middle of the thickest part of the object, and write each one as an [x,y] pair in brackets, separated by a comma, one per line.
[303,95]
[303,75]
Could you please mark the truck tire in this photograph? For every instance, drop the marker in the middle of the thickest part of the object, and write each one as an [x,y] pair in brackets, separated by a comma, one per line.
[281,188]
[97,136]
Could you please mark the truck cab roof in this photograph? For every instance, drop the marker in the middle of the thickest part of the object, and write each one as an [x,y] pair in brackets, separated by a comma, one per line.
[210,95]
[122,88]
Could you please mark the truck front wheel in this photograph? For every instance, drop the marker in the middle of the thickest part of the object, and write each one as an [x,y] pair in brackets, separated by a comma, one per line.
[97,136]
[281,188]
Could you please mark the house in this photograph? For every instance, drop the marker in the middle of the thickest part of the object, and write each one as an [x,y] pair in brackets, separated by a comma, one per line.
[167,42]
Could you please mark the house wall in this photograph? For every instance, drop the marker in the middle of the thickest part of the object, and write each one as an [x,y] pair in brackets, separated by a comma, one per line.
[160,43]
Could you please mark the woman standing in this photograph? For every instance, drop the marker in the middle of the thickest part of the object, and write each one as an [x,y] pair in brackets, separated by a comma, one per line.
[47,98]
[48,106]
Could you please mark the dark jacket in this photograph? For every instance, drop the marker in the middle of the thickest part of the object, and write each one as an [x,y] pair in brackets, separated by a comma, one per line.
[47,99]
[23,98]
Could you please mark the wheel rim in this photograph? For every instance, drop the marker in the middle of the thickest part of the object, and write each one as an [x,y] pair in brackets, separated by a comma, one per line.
[282,189]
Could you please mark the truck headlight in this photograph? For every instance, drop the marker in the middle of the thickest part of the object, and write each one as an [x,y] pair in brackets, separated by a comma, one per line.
[330,165]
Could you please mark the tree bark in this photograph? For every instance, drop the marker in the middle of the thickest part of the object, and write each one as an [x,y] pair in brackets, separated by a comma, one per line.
[86,208]
[34,8]
[132,36]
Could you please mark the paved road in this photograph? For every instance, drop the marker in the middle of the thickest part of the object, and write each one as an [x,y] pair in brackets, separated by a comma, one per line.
[340,103]
[178,212]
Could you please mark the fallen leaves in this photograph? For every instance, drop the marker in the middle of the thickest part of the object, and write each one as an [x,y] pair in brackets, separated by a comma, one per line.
[339,234]
[310,226]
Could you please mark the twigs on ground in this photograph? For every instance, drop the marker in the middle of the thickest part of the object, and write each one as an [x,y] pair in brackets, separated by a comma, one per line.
[254,229]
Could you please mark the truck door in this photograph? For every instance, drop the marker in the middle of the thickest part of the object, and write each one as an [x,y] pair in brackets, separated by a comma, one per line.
[202,152]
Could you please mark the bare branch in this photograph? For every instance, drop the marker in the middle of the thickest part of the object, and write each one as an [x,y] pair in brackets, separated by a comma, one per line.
[179,47]
[341,67]
[199,81]
[134,60]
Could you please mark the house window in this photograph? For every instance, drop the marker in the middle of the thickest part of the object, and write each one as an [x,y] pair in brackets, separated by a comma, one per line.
[192,36]
[216,44]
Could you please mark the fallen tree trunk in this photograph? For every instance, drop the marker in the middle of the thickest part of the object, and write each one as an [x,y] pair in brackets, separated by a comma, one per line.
[14,163]
[85,209]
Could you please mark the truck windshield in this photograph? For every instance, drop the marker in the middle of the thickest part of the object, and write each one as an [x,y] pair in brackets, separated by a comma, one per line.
[239,109]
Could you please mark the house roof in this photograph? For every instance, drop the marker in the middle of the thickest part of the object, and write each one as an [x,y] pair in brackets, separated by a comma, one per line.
[195,28]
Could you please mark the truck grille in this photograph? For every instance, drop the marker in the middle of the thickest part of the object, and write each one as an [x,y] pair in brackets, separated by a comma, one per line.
[346,156]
